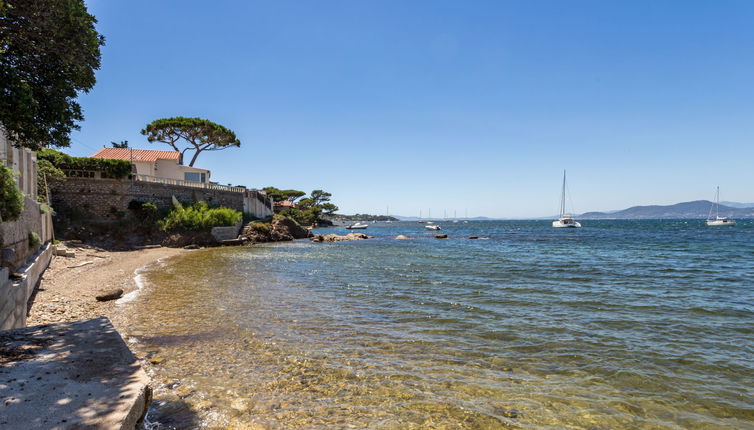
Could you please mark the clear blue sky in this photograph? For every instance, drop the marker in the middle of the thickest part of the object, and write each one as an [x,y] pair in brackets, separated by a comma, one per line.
[448,105]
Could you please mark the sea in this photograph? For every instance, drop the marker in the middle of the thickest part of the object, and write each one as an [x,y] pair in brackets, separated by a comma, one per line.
[617,325]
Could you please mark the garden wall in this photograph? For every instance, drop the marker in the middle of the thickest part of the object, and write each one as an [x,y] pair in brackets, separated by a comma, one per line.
[109,198]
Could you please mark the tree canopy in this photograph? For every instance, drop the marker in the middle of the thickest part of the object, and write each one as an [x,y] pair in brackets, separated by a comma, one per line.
[311,209]
[49,50]
[278,195]
[197,134]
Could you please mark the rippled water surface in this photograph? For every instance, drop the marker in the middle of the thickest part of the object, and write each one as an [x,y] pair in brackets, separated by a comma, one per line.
[620,324]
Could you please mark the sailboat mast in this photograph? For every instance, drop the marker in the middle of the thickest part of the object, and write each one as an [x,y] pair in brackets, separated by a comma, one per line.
[717,203]
[562,196]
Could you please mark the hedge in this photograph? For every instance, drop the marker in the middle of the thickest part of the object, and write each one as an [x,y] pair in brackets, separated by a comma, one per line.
[109,168]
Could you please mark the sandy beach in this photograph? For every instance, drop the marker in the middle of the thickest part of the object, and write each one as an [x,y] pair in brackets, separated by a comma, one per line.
[69,286]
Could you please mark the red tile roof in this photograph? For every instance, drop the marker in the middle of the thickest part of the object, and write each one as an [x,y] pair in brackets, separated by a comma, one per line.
[129,154]
[286,203]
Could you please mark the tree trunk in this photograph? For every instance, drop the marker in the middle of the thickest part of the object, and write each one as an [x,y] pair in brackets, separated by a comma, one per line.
[193,159]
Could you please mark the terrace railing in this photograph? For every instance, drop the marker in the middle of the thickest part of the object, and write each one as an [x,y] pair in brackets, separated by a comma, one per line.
[208,186]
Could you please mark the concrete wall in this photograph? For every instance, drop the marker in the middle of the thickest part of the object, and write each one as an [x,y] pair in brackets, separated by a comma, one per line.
[15,293]
[144,167]
[226,233]
[14,235]
[23,161]
[171,169]
[257,204]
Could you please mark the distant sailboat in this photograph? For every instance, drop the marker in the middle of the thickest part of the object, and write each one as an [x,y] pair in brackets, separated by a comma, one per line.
[565,220]
[718,220]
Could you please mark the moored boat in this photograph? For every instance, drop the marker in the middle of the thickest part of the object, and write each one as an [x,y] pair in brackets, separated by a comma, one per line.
[357,226]
[718,221]
[565,220]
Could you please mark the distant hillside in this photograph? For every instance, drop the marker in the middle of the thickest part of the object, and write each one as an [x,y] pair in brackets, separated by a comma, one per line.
[698,209]
[362,217]
[413,218]
[738,205]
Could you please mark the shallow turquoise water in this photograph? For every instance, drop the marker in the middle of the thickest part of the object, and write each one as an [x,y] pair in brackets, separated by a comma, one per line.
[620,324]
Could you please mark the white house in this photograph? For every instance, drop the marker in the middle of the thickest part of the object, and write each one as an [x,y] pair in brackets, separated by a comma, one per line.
[161,164]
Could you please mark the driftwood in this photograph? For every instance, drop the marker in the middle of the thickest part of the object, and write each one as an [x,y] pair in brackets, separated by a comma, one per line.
[80,264]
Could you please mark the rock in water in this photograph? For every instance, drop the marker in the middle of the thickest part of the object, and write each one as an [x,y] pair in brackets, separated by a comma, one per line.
[402,237]
[112,295]
[281,228]
[336,238]
[184,391]
[284,228]
[441,236]
[473,237]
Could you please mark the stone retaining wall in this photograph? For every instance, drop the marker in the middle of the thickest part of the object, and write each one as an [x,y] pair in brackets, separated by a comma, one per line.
[109,198]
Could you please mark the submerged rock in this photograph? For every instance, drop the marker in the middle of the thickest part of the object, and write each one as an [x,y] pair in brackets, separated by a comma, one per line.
[473,237]
[441,236]
[402,237]
[184,391]
[506,411]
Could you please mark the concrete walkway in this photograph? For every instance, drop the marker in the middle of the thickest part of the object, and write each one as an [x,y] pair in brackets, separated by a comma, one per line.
[78,375]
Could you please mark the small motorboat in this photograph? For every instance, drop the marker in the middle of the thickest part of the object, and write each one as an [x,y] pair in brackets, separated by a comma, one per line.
[357,226]
[432,227]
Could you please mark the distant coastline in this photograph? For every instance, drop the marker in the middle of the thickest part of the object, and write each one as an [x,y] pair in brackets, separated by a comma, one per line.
[698,209]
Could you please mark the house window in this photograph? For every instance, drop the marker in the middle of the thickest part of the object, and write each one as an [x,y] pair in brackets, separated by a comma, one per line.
[195,177]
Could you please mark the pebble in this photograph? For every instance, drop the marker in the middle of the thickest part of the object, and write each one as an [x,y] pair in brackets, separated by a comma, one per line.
[240,405]
[184,391]
[202,404]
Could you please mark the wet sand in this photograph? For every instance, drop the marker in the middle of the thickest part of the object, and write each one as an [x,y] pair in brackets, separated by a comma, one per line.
[68,287]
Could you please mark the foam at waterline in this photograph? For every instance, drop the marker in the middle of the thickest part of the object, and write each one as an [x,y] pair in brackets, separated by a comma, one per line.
[140,282]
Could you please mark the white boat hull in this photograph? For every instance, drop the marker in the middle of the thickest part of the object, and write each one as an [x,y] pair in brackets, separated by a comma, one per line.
[566,224]
[720,222]
[432,227]
[357,226]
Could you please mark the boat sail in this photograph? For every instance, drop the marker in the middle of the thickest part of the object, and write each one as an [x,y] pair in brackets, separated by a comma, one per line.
[718,220]
[565,220]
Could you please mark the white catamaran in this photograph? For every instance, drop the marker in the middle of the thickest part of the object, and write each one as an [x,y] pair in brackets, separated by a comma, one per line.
[565,220]
[718,220]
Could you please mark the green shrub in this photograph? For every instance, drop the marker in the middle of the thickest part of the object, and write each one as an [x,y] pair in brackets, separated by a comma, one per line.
[307,216]
[34,240]
[261,227]
[145,211]
[11,198]
[149,211]
[198,217]
[109,168]
[47,177]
